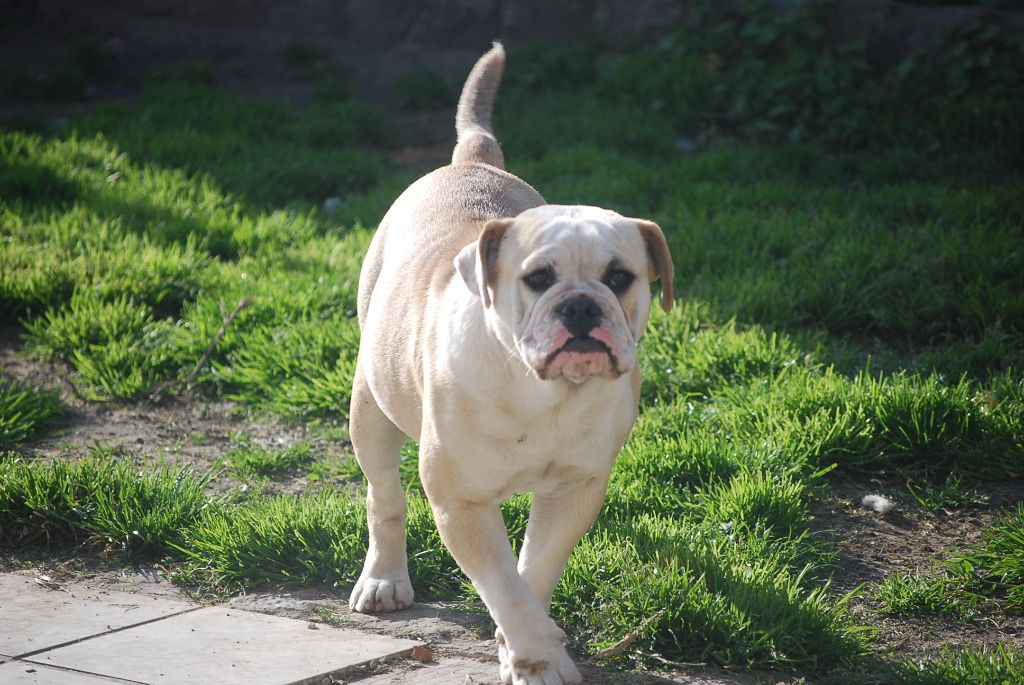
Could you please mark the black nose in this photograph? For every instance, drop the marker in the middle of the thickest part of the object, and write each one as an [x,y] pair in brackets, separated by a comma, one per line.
[580,315]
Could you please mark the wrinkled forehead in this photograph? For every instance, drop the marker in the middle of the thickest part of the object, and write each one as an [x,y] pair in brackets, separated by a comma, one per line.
[577,234]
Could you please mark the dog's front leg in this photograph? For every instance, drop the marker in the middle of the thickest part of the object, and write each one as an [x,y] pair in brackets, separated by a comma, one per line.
[531,646]
[558,521]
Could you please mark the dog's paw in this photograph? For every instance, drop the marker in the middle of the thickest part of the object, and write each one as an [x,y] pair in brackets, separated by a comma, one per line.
[372,595]
[541,660]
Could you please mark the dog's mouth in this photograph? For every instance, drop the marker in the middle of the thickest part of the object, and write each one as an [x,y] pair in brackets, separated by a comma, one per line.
[583,349]
[580,345]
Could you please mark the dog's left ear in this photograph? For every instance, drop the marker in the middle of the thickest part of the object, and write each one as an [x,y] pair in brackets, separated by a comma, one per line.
[661,258]
[477,262]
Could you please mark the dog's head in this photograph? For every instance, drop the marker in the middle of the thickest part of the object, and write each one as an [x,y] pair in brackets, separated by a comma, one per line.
[566,288]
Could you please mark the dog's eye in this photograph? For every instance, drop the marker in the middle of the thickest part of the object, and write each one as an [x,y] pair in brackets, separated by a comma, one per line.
[619,281]
[540,280]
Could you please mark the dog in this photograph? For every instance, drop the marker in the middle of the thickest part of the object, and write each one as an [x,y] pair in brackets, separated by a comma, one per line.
[500,333]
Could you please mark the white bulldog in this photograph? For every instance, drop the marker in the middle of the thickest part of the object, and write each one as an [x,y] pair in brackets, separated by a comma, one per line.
[500,333]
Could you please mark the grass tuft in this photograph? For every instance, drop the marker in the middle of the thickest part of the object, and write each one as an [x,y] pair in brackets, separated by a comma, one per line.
[141,512]
[909,595]
[995,566]
[25,412]
[258,462]
[999,665]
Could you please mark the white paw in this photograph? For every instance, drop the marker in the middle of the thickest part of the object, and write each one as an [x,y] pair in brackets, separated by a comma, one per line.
[537,660]
[371,595]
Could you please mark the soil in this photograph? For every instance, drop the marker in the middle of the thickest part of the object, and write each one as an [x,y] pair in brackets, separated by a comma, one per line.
[909,539]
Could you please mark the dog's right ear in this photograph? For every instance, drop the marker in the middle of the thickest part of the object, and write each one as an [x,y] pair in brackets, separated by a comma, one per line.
[477,262]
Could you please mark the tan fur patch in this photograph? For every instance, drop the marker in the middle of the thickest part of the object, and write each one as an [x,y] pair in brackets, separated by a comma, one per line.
[530,667]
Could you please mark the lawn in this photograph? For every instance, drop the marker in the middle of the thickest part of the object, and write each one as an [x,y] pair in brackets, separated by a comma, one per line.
[848,248]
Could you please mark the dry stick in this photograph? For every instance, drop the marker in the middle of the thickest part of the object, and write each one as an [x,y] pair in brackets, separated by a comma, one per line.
[228,319]
[681,664]
[629,638]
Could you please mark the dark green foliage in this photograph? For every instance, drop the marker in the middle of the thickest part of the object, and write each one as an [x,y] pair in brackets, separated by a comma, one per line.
[424,89]
[757,73]
[298,55]
[81,65]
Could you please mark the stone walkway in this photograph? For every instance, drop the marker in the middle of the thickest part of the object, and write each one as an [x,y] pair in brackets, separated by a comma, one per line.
[80,635]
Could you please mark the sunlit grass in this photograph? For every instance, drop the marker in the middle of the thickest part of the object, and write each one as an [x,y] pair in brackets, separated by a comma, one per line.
[26,411]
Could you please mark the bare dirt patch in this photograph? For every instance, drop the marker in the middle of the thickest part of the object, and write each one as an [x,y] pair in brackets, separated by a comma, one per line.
[192,431]
[911,540]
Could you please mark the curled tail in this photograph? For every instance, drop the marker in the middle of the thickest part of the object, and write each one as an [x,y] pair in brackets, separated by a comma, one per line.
[476,141]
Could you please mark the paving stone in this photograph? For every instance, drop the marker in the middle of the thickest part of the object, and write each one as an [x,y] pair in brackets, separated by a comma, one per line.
[215,646]
[33,618]
[23,673]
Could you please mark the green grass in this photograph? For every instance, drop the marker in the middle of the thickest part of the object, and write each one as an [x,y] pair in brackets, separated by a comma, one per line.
[141,511]
[847,246]
[1002,665]
[952,494]
[995,567]
[250,462]
[910,595]
[25,412]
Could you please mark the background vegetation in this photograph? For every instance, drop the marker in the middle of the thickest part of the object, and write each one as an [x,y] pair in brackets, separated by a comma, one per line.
[848,247]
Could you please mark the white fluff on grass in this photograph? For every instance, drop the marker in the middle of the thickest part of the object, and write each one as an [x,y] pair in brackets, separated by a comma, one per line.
[883,505]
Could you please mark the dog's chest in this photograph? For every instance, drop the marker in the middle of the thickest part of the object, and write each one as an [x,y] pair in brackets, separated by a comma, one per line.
[542,453]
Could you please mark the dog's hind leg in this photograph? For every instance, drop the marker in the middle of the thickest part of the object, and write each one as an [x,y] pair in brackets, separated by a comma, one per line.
[384,583]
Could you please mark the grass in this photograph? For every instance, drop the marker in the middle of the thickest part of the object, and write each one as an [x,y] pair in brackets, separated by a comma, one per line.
[847,244]
[26,412]
[251,462]
[986,666]
[141,511]
[995,567]
[910,595]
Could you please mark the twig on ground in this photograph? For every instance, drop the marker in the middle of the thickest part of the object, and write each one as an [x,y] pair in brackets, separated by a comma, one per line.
[228,320]
[629,638]
[679,664]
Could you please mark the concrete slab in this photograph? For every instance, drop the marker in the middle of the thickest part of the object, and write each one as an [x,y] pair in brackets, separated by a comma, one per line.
[218,646]
[33,617]
[22,673]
